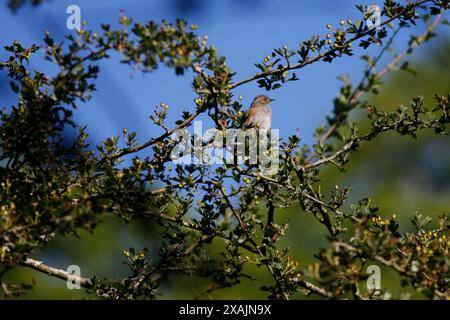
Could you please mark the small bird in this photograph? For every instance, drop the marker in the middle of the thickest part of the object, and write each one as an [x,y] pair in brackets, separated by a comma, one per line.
[259,115]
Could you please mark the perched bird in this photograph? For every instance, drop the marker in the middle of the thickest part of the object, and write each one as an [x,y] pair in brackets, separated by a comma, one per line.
[259,115]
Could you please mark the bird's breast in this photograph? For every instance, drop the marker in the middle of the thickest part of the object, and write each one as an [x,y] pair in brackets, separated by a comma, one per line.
[261,117]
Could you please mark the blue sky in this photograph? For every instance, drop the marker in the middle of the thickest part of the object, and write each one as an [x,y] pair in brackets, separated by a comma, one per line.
[243,31]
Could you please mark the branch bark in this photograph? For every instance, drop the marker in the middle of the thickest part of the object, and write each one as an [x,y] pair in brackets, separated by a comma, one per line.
[57,273]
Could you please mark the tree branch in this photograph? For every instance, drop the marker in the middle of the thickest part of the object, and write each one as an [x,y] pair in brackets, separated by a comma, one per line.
[388,263]
[359,92]
[320,56]
[57,273]
[153,141]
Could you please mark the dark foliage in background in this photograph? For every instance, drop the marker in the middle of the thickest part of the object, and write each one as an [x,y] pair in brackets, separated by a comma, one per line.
[50,188]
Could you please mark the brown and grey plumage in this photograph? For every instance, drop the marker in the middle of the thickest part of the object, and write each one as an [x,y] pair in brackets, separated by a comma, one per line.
[259,115]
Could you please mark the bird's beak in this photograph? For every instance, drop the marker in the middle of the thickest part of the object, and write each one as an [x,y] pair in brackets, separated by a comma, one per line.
[272,99]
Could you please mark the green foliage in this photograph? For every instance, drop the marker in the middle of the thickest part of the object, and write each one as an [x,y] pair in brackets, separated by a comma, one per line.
[16,4]
[50,187]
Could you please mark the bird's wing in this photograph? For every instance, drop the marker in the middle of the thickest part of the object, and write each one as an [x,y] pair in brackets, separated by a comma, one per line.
[249,117]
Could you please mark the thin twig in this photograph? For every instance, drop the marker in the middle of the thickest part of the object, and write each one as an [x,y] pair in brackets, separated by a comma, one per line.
[318,57]
[388,263]
[153,141]
[305,284]
[358,92]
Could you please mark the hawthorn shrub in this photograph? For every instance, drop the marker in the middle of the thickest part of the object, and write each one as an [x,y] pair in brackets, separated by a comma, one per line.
[51,188]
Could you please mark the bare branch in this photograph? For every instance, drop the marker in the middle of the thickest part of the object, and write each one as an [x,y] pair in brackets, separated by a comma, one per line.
[57,273]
